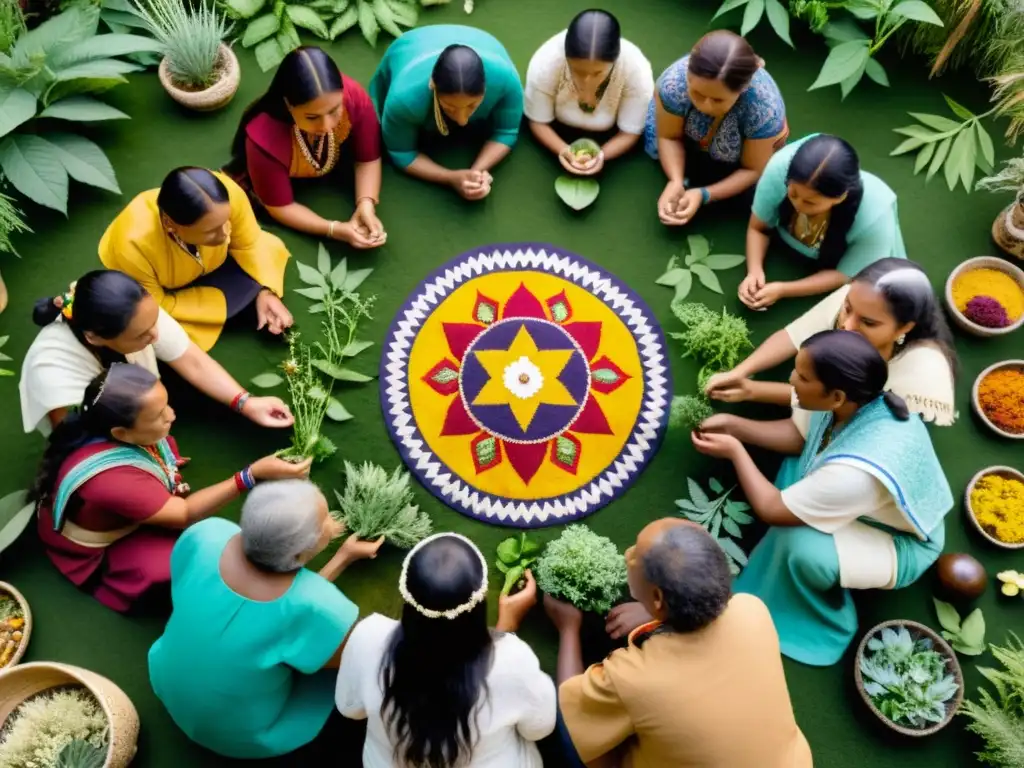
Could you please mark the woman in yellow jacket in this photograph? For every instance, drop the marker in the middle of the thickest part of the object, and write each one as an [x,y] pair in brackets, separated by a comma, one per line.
[177,240]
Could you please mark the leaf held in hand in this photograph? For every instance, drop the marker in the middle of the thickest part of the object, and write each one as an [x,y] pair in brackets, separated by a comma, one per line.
[515,573]
[575,192]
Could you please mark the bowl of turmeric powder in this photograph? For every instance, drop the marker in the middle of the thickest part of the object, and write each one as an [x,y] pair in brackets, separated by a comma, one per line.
[995,505]
[998,398]
[15,625]
[985,296]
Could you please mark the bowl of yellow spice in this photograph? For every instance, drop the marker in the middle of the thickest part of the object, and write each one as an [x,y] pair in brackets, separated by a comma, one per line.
[998,398]
[995,505]
[985,296]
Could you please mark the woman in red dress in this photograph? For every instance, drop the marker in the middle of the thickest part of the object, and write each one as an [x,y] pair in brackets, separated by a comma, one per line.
[311,120]
[110,498]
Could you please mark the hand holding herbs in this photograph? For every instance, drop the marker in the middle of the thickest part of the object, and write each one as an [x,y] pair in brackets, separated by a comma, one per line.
[687,412]
[967,637]
[515,556]
[721,517]
[717,341]
[582,568]
[699,262]
[376,504]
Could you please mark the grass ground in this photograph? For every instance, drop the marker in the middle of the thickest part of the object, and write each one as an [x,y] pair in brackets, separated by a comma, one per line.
[427,227]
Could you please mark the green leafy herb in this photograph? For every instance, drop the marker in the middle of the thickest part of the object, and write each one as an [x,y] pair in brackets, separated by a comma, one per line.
[376,504]
[716,340]
[190,36]
[12,24]
[699,263]
[688,411]
[754,11]
[999,718]
[720,516]
[515,555]
[81,754]
[12,222]
[968,637]
[577,192]
[5,358]
[582,568]
[908,680]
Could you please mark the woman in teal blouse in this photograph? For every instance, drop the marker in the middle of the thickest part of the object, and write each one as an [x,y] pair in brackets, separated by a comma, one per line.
[435,78]
[815,196]
[245,664]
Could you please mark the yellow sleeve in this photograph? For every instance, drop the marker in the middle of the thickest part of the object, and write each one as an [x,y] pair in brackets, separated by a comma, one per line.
[261,255]
[594,714]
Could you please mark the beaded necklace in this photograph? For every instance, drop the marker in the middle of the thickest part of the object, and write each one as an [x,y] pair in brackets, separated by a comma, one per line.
[191,250]
[439,121]
[313,154]
[161,454]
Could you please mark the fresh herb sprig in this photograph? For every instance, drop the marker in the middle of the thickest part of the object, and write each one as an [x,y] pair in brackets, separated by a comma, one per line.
[699,262]
[720,516]
[515,555]
[968,636]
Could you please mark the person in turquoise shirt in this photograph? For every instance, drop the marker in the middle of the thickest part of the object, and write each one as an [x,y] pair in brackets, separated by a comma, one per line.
[245,664]
[432,78]
[863,508]
[815,196]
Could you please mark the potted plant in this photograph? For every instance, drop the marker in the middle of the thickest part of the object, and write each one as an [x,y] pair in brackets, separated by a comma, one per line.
[198,70]
[59,715]
[1008,228]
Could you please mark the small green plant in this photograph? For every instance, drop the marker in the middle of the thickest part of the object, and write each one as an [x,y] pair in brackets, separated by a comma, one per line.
[311,402]
[12,222]
[754,11]
[700,262]
[43,726]
[720,516]
[515,555]
[376,504]
[583,568]
[190,36]
[12,24]
[908,680]
[999,718]
[967,637]
[5,358]
[81,754]
[716,340]
[957,147]
[688,411]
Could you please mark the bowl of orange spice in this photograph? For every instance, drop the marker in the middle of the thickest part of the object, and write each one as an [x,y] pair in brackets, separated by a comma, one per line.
[998,398]
[985,296]
[995,505]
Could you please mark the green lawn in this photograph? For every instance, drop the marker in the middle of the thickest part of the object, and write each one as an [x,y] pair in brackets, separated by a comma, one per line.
[426,227]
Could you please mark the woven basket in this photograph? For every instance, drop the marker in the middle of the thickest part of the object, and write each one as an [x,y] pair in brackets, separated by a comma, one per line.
[217,95]
[917,631]
[26,614]
[982,262]
[1006,229]
[1019,365]
[25,680]
[1007,472]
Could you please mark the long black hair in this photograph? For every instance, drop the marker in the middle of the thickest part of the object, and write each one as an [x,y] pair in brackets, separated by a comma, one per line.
[830,166]
[724,55]
[113,399]
[105,301]
[434,673]
[188,193]
[847,362]
[305,74]
[593,35]
[459,70]
[911,299]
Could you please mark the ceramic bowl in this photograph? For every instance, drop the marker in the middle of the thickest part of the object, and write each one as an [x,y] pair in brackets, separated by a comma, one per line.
[1007,472]
[983,262]
[1004,364]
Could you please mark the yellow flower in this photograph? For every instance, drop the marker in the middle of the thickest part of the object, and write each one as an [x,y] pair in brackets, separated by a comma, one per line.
[290,367]
[1013,583]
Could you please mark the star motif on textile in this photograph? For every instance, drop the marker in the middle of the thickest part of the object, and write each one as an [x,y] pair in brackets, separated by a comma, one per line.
[524,377]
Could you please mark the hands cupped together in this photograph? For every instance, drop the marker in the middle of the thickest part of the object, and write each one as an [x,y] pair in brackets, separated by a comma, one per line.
[472,185]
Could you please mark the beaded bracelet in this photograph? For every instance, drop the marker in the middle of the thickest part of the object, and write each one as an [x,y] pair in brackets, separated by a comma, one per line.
[244,480]
[238,401]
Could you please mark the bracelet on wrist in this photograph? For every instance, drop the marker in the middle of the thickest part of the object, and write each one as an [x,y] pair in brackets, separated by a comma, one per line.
[330,230]
[366,197]
[244,480]
[238,401]
[705,196]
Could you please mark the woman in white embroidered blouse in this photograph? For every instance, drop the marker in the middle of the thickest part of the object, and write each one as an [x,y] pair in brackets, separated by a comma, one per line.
[440,687]
[892,304]
[588,78]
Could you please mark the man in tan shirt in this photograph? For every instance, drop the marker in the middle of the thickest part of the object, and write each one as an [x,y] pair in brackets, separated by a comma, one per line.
[701,685]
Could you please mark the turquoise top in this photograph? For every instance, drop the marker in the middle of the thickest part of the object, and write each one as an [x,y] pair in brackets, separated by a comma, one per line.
[875,233]
[240,677]
[400,87]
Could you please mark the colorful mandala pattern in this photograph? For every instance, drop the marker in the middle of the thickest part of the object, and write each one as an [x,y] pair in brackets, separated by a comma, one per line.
[525,386]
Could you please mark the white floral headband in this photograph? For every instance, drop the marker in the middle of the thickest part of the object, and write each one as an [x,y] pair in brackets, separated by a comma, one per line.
[474,600]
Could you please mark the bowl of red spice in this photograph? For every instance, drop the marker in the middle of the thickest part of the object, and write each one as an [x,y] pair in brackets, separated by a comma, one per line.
[994,500]
[998,398]
[985,296]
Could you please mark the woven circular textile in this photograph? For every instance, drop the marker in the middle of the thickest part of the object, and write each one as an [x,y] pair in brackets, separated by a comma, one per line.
[525,386]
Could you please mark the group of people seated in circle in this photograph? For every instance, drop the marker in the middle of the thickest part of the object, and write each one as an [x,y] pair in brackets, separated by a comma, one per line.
[859,502]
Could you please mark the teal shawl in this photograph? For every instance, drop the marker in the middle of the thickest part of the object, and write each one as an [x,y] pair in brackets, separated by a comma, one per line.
[899,454]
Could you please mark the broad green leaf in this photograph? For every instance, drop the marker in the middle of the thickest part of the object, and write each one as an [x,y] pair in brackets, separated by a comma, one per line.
[751,15]
[721,261]
[778,17]
[697,494]
[908,145]
[260,29]
[99,69]
[386,18]
[738,515]
[967,650]
[509,550]
[938,122]
[336,411]
[683,287]
[355,348]
[988,151]
[843,61]
[404,13]
[84,161]
[338,275]
[316,309]
[498,564]
[75,24]
[924,157]
[916,10]
[269,54]
[876,72]
[862,9]
[345,22]
[846,87]
[968,160]
[244,9]
[672,277]
[323,261]
[972,631]
[699,248]
[103,47]
[82,109]
[687,504]
[707,277]
[307,18]
[515,573]
[368,22]
[940,155]
[314,293]
[733,550]
[731,527]
[531,548]
[844,31]
[16,512]
[714,485]
[355,278]
[575,192]
[30,165]
[959,109]
[949,617]
[266,380]
[918,132]
[339,373]
[310,276]
[16,106]
[956,156]
[728,5]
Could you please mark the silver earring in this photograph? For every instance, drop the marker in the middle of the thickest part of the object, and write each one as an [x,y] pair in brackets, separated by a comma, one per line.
[901,339]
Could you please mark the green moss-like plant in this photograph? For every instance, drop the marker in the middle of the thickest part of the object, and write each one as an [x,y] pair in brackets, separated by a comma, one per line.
[999,718]
[583,568]
[688,411]
[716,340]
[44,725]
[376,504]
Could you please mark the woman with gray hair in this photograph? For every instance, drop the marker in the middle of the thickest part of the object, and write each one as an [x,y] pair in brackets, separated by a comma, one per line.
[243,666]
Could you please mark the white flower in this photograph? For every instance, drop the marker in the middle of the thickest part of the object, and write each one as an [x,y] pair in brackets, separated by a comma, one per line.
[522,378]
[468,7]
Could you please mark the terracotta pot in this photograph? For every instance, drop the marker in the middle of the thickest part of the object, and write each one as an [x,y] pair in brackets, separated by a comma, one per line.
[1008,229]
[217,95]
